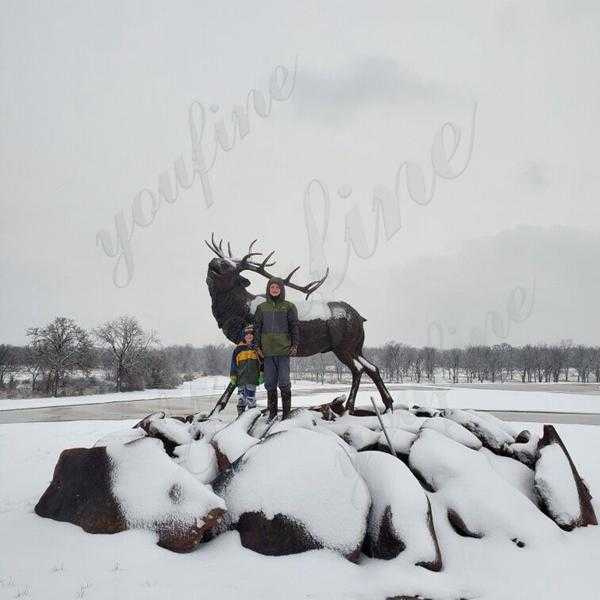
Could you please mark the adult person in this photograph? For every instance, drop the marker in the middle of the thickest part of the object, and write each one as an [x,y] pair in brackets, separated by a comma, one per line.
[276,330]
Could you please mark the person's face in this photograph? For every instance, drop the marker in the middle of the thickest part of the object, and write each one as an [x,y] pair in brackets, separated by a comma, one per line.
[274,290]
[249,338]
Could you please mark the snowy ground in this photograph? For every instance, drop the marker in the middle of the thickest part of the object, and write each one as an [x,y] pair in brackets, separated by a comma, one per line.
[202,386]
[479,399]
[45,559]
[408,394]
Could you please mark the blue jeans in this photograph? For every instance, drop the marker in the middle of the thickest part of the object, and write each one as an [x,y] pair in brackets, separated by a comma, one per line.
[246,396]
[277,372]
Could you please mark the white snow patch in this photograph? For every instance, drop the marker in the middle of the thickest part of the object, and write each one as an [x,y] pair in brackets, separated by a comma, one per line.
[172,429]
[308,477]
[401,440]
[487,430]
[454,431]
[199,459]
[392,484]
[143,477]
[555,484]
[485,501]
[308,310]
[234,440]
[121,437]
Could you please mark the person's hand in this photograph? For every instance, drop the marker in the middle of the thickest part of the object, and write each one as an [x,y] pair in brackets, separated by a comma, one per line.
[260,353]
[293,351]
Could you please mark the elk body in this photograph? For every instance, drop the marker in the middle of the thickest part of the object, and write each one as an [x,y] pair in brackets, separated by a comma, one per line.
[324,326]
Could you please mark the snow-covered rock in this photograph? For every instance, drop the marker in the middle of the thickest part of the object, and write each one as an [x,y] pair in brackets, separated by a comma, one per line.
[232,441]
[401,441]
[514,472]
[171,431]
[493,436]
[563,495]
[525,448]
[400,518]
[112,488]
[198,458]
[153,492]
[206,430]
[454,431]
[297,490]
[478,501]
[298,418]
[360,437]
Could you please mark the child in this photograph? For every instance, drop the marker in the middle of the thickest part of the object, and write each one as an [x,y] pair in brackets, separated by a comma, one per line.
[245,372]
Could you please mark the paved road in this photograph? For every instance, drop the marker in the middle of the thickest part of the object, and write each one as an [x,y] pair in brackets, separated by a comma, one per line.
[136,409]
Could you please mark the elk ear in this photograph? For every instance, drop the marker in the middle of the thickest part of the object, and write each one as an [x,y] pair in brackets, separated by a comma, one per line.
[245,282]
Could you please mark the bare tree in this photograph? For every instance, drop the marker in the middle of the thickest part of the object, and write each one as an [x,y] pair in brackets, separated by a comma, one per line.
[128,345]
[429,362]
[61,347]
[7,362]
[33,365]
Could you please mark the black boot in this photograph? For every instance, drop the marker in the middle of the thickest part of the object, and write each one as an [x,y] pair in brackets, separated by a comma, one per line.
[272,403]
[286,402]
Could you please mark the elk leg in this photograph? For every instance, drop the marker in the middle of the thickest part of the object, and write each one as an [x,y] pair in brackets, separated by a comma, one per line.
[373,372]
[356,369]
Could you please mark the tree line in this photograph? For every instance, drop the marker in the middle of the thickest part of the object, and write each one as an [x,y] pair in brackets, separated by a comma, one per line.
[62,358]
[474,364]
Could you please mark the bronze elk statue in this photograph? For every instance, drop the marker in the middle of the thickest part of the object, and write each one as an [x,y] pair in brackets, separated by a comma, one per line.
[324,326]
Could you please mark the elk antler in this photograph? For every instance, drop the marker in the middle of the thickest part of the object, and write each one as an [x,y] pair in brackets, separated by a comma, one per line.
[245,264]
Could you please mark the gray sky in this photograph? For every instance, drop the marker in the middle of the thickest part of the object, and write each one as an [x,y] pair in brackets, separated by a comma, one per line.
[94,105]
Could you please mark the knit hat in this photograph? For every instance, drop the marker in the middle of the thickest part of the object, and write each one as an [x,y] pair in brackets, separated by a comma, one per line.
[249,329]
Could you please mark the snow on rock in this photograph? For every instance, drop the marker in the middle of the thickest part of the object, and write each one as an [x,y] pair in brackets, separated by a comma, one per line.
[525,448]
[295,491]
[495,421]
[207,429]
[172,432]
[490,433]
[478,501]
[108,489]
[454,431]
[360,437]
[153,492]
[514,472]
[232,441]
[121,437]
[563,494]
[198,458]
[401,440]
[400,518]
[298,418]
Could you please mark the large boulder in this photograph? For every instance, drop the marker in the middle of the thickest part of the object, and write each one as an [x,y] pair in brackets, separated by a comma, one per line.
[295,491]
[112,488]
[493,433]
[563,495]
[477,500]
[232,441]
[400,518]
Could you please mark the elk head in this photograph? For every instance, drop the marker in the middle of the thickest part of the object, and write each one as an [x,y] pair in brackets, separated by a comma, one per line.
[224,272]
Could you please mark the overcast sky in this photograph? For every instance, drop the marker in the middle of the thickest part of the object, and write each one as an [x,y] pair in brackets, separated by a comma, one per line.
[94,108]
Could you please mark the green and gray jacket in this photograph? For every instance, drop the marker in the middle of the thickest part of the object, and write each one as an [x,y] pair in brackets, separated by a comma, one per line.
[276,323]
